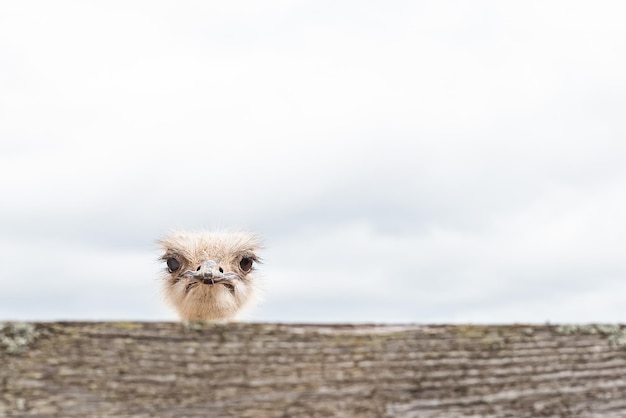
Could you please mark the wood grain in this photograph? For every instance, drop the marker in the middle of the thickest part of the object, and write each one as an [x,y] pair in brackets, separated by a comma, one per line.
[286,370]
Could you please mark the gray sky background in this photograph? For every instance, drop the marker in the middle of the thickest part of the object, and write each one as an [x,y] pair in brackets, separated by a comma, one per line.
[432,161]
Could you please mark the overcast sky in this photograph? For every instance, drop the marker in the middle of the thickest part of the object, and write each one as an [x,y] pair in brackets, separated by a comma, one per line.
[418,161]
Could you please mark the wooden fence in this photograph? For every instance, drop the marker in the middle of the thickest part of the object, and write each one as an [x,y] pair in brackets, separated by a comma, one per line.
[154,369]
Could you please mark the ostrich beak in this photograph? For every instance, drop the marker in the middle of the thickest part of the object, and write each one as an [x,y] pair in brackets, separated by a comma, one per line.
[208,273]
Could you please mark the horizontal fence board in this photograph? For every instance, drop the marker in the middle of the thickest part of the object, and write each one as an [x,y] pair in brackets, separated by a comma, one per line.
[75,369]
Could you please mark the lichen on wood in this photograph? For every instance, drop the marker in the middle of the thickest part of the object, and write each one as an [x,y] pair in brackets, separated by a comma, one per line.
[15,337]
[615,334]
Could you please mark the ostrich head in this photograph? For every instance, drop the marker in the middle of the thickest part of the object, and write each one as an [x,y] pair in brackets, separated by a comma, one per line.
[209,275]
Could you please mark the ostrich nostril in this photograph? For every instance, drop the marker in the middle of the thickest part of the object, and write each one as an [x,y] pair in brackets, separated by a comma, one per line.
[221,270]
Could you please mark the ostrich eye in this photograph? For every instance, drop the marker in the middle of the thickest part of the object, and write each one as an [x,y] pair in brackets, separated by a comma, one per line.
[172,265]
[245,264]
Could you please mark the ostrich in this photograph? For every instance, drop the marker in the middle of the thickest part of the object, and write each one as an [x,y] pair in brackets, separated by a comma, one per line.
[209,275]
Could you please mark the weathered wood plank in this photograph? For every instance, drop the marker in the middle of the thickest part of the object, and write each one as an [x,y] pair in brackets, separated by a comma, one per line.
[280,370]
